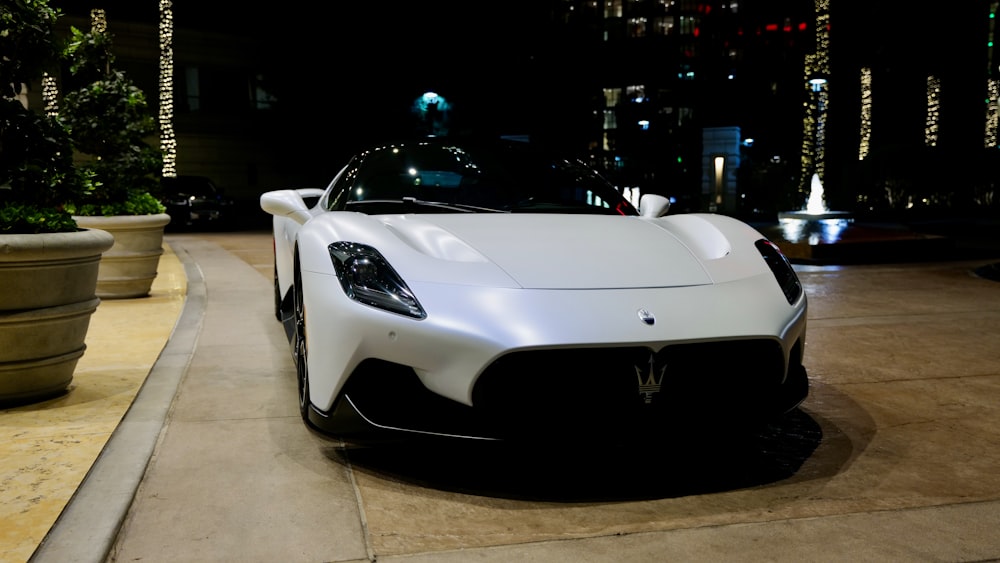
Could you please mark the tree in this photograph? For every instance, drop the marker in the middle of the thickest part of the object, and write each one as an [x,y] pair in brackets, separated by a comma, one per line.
[109,119]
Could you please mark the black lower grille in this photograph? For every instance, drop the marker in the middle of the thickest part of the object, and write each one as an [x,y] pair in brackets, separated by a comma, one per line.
[621,393]
[589,389]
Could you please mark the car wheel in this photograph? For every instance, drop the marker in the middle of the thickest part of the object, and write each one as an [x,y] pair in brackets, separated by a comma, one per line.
[301,348]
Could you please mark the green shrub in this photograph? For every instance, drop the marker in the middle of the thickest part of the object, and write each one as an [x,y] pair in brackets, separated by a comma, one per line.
[109,119]
[37,175]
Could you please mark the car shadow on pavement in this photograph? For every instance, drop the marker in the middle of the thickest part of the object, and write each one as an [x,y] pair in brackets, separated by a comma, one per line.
[595,471]
[989,271]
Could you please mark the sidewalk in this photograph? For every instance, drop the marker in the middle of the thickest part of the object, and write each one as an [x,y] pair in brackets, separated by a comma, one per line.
[47,449]
[894,451]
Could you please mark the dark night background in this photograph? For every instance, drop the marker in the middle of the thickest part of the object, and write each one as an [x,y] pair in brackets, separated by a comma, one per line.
[347,73]
[370,60]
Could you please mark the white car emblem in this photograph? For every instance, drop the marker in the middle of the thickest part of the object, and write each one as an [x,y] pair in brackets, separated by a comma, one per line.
[646,317]
[652,384]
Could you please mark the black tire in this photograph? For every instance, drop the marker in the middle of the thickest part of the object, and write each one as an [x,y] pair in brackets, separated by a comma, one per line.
[277,295]
[301,347]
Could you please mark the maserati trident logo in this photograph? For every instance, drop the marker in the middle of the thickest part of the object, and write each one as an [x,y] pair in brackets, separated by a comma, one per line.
[646,317]
[649,383]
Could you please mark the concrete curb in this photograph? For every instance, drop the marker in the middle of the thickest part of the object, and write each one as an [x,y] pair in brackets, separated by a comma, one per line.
[87,528]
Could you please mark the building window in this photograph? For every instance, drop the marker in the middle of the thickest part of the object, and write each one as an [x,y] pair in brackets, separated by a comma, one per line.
[688,25]
[263,99]
[612,96]
[219,90]
[637,27]
[663,25]
[684,115]
[192,95]
[613,8]
[610,119]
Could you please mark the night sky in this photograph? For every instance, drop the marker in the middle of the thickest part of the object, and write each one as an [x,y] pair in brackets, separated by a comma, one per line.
[371,59]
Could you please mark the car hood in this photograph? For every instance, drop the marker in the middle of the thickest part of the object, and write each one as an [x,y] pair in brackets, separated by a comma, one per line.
[551,251]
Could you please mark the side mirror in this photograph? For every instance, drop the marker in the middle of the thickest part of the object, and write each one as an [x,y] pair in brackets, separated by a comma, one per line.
[285,203]
[653,205]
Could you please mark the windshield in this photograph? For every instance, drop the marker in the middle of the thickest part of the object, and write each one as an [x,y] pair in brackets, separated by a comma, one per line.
[438,175]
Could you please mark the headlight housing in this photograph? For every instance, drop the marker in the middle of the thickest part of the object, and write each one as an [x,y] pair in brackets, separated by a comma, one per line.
[781,268]
[368,278]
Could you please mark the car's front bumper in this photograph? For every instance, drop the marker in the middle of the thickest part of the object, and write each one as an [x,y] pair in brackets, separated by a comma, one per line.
[490,362]
[387,402]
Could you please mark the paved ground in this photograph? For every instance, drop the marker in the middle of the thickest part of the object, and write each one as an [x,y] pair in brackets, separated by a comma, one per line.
[892,458]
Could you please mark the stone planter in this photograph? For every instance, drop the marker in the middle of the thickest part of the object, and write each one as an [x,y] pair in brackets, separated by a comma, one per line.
[49,293]
[129,268]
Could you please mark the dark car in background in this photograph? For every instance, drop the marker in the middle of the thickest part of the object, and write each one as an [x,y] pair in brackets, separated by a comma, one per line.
[195,202]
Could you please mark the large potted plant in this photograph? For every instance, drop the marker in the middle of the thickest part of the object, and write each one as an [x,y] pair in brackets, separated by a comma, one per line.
[48,265]
[109,120]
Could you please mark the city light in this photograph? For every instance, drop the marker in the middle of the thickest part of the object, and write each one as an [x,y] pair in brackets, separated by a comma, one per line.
[816,70]
[168,142]
[866,112]
[933,111]
[98,21]
[50,95]
[992,85]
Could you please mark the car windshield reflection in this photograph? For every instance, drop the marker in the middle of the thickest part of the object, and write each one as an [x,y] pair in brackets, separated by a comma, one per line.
[438,176]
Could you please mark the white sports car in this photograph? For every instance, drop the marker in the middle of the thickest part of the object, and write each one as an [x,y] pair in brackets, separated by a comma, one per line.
[484,289]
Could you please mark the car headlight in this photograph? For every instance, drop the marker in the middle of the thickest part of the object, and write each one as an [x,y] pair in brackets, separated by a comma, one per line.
[781,268]
[367,278]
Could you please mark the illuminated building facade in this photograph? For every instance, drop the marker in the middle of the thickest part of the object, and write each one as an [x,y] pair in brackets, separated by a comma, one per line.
[866,96]
[689,94]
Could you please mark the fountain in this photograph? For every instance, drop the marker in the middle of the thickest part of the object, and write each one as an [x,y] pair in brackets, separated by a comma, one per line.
[816,234]
[816,209]
[816,223]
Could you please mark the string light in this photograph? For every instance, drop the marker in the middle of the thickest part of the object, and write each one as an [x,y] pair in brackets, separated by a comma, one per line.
[168,141]
[993,89]
[933,111]
[816,74]
[991,83]
[822,59]
[866,113]
[808,136]
[98,21]
[50,95]
[822,110]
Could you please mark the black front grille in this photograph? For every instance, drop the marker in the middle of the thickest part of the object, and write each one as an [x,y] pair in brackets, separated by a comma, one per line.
[573,390]
[586,393]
